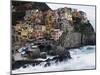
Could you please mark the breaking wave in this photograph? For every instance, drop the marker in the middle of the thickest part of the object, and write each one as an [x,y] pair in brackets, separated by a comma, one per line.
[82,58]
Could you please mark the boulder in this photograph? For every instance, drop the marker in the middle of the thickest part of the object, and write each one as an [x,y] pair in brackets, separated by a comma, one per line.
[42,47]
[35,53]
[43,55]
[52,52]
[62,52]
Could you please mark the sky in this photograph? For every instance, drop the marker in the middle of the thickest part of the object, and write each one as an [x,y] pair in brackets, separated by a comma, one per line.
[90,10]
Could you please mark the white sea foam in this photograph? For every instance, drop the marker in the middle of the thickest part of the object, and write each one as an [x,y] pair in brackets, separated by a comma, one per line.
[82,58]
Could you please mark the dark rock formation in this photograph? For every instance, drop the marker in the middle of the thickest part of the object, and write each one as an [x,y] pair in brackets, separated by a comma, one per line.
[82,34]
[35,53]
[89,39]
[43,55]
[83,27]
[60,51]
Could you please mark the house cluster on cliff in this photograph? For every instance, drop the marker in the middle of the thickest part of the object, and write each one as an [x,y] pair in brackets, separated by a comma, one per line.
[37,21]
[38,31]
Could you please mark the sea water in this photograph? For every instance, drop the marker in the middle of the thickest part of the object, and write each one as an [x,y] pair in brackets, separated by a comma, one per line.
[82,58]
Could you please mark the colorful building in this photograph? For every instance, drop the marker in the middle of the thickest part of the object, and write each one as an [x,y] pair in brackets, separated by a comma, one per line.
[56,33]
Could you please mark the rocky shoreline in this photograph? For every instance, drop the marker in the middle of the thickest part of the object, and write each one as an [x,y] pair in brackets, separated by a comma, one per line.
[25,63]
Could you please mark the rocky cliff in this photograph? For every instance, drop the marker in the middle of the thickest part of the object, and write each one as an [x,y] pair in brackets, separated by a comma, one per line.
[81,34]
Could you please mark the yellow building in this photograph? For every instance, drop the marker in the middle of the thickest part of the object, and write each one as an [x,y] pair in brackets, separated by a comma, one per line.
[49,21]
[24,34]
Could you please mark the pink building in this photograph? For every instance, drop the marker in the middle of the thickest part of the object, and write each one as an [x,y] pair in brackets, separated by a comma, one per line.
[38,34]
[39,31]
